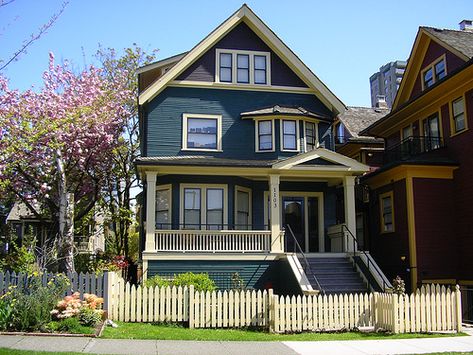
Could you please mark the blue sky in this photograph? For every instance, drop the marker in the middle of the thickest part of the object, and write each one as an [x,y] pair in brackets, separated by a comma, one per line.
[342,41]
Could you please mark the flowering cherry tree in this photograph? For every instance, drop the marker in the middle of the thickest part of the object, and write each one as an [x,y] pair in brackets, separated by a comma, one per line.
[57,144]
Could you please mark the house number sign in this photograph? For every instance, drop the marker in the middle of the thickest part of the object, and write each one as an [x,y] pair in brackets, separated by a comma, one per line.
[275,198]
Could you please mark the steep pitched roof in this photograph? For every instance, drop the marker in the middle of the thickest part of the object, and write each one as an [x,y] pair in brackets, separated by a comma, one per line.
[268,36]
[461,41]
[356,119]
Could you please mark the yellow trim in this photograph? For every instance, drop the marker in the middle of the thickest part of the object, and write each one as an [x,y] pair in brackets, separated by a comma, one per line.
[251,66]
[250,204]
[203,201]
[383,196]
[411,223]
[432,66]
[465,282]
[453,131]
[273,140]
[267,35]
[185,118]
[440,281]
[281,135]
[246,87]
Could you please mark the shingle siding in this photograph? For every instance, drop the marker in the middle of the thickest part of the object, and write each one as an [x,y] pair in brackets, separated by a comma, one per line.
[164,119]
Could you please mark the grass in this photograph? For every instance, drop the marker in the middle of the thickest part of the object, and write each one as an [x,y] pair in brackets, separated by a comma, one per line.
[174,332]
[5,351]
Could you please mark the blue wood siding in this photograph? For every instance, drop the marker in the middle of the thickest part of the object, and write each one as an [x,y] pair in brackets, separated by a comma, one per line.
[241,38]
[255,274]
[163,132]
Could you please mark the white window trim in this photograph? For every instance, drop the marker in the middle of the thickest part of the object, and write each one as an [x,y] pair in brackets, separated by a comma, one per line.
[250,201]
[317,143]
[251,55]
[257,150]
[186,116]
[167,187]
[281,135]
[203,201]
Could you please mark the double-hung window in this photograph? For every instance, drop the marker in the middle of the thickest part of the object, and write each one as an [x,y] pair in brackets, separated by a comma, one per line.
[387,212]
[434,72]
[242,208]
[163,207]
[242,67]
[289,135]
[203,206]
[265,136]
[458,115]
[431,132]
[202,132]
[310,129]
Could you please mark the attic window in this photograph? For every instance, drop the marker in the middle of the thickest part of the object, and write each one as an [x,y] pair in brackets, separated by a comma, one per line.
[242,67]
[434,72]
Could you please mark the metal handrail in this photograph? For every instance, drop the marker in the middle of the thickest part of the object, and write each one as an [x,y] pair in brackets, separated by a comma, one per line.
[307,265]
[355,247]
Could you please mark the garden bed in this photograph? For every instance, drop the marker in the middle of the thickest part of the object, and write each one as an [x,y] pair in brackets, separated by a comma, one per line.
[95,332]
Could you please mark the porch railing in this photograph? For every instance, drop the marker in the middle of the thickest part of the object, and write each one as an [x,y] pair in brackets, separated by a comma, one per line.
[212,241]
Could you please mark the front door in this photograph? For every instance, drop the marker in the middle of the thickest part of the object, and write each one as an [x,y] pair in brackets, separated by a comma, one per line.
[293,216]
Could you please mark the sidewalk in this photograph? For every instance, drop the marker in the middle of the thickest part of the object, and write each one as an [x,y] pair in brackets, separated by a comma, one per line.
[174,347]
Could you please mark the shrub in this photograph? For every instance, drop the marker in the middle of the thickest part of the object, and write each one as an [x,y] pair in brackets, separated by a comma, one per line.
[85,311]
[399,287]
[6,311]
[201,282]
[89,317]
[19,260]
[69,325]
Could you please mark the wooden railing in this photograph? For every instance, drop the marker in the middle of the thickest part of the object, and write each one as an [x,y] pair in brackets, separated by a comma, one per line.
[212,241]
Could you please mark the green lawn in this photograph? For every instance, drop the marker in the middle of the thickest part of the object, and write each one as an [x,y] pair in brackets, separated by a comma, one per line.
[173,332]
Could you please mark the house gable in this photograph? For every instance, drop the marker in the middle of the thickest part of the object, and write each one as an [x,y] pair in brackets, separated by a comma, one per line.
[244,14]
[427,49]
[241,38]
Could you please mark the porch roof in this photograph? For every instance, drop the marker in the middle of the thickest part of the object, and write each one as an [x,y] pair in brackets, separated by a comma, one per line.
[278,110]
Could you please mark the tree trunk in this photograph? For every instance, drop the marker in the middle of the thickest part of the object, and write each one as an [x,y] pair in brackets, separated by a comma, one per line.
[66,220]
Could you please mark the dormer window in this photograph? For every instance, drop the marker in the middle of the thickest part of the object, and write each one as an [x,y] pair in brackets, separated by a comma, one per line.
[242,67]
[433,73]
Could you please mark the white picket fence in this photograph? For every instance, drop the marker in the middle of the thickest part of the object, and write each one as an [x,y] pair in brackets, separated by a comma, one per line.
[432,308]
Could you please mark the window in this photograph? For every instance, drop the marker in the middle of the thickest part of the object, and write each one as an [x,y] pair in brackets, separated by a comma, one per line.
[163,207]
[243,67]
[265,136]
[202,132]
[406,132]
[203,206]
[289,135]
[431,132]
[433,73]
[387,212]
[458,115]
[242,208]
[339,133]
[310,135]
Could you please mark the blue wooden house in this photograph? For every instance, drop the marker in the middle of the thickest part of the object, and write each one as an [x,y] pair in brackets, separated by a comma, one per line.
[239,166]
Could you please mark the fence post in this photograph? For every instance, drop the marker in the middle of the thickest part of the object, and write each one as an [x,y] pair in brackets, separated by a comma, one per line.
[395,305]
[374,310]
[271,310]
[191,306]
[108,282]
[458,304]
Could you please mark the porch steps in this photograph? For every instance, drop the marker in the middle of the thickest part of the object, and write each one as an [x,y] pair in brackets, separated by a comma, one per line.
[336,275]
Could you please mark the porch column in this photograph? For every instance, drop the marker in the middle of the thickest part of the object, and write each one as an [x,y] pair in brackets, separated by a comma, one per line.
[150,244]
[350,212]
[276,243]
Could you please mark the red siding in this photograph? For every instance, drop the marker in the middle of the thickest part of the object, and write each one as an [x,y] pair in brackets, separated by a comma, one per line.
[387,248]
[241,38]
[434,51]
[435,238]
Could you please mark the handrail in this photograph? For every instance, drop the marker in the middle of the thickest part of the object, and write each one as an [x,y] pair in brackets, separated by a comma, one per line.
[355,247]
[307,265]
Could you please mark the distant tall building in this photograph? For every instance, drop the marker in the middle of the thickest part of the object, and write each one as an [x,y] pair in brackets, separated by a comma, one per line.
[385,83]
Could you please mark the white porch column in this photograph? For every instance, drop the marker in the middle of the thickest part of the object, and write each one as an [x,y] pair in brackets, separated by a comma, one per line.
[350,212]
[274,210]
[150,244]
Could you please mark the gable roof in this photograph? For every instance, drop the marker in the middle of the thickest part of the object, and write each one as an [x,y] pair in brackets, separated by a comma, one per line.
[458,42]
[356,119]
[268,36]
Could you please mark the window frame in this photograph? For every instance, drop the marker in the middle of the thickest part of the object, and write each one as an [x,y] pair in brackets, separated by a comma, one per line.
[250,216]
[316,133]
[432,66]
[453,131]
[159,188]
[273,141]
[440,129]
[390,195]
[187,116]
[251,65]
[282,134]
[203,203]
